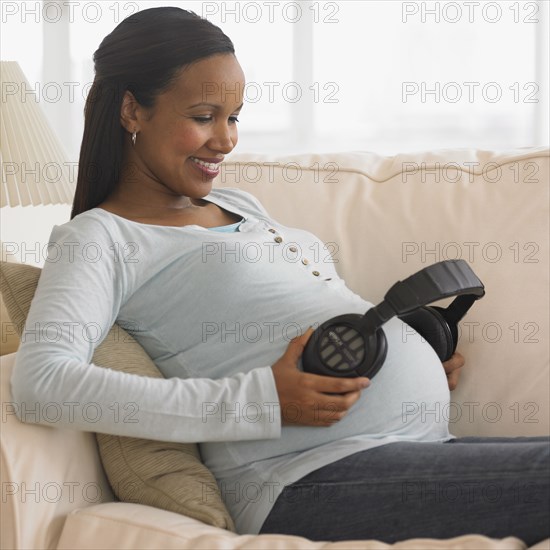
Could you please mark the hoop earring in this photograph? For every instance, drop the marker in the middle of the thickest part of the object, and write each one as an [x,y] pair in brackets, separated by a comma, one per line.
[134,137]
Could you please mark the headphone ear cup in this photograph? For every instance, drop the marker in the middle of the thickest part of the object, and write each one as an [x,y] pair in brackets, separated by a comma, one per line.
[380,343]
[430,323]
[453,328]
[340,347]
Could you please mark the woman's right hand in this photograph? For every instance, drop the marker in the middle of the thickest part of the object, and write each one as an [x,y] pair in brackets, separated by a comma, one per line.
[303,396]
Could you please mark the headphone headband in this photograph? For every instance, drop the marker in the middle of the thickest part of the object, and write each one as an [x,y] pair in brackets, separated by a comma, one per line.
[435,282]
[356,345]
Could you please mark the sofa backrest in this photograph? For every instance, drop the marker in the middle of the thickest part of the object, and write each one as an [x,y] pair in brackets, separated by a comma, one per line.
[384,218]
[45,472]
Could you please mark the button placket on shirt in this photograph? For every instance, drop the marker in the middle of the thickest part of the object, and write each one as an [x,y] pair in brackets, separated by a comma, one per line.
[304,261]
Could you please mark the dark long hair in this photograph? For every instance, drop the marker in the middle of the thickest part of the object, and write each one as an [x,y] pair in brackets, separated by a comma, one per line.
[142,55]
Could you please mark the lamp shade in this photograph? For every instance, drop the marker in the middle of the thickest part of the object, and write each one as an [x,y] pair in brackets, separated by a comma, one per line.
[34,166]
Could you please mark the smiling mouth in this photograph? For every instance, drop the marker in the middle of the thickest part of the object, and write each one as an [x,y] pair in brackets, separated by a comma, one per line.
[211,166]
[209,170]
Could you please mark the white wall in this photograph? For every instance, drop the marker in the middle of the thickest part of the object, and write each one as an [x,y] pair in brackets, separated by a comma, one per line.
[25,230]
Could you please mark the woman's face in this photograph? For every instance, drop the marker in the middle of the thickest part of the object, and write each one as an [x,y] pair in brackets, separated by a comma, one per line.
[192,124]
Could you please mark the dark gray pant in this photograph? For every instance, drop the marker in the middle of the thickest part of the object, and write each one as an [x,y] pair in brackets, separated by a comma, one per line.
[493,486]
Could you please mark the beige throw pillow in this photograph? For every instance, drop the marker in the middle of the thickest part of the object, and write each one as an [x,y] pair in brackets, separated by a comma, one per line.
[9,341]
[170,476]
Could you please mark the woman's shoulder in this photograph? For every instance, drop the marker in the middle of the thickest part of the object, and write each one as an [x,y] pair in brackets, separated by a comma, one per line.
[91,225]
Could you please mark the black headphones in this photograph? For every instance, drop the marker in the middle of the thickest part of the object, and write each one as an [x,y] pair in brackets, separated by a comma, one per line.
[355,345]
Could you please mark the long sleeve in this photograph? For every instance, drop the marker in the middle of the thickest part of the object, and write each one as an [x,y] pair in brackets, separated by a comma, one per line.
[81,289]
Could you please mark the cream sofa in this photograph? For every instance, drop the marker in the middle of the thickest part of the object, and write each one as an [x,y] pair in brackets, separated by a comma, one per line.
[382,219]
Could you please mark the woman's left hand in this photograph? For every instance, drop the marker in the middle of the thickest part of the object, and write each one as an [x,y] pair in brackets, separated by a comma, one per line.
[452,368]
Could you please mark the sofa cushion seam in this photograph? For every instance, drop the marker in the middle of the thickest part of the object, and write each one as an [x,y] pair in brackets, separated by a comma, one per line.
[128,523]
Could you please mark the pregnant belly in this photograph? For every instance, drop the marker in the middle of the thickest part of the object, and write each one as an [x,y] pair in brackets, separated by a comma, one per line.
[407,398]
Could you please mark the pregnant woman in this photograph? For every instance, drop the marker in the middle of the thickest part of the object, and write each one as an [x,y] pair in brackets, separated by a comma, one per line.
[151,245]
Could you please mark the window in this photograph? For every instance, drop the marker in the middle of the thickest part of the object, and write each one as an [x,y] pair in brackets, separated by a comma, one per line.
[385,76]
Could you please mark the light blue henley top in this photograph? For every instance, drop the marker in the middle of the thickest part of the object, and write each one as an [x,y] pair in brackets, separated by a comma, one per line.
[214,310]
